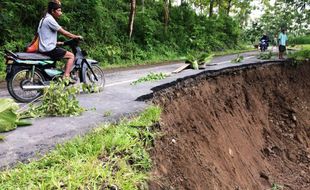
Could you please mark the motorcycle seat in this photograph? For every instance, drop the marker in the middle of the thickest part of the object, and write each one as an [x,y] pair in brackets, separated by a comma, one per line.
[32,56]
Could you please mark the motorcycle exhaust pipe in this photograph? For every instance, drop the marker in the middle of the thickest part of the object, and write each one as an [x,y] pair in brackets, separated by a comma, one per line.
[34,87]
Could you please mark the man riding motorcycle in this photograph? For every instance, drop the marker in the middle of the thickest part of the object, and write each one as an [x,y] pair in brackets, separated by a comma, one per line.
[264,42]
[47,30]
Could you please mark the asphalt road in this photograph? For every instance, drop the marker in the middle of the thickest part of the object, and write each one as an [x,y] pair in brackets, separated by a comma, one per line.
[118,98]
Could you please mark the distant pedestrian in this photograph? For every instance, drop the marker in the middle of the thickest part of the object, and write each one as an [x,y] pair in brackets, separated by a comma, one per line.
[282,41]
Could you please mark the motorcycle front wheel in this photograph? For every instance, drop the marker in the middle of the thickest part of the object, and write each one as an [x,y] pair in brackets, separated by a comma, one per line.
[89,78]
[21,78]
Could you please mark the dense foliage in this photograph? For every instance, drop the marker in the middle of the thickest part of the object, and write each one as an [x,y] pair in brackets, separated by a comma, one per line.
[300,40]
[104,25]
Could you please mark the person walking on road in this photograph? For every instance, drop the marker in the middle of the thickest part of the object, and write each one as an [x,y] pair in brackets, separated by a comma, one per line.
[282,41]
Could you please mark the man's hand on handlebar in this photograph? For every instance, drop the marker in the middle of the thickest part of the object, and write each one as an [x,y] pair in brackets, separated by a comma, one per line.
[79,37]
[60,43]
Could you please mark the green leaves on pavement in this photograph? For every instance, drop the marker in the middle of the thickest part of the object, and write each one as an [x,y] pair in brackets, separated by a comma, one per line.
[58,100]
[150,77]
[238,59]
[196,60]
[265,55]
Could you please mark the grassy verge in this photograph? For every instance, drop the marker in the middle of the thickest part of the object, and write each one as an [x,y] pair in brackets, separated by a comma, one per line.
[299,47]
[301,52]
[227,52]
[172,58]
[110,156]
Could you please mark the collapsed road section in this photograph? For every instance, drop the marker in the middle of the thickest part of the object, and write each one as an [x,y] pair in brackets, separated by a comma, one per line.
[242,128]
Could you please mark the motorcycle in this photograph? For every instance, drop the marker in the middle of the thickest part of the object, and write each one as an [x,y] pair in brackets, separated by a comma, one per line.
[263,45]
[27,74]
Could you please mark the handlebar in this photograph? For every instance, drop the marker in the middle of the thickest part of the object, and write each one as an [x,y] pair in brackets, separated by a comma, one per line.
[72,42]
[10,53]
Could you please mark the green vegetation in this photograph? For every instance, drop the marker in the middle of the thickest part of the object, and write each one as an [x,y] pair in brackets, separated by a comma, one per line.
[91,88]
[107,113]
[300,40]
[9,118]
[196,60]
[58,100]
[114,155]
[150,77]
[2,138]
[276,187]
[265,55]
[238,59]
[300,55]
[235,51]
[288,14]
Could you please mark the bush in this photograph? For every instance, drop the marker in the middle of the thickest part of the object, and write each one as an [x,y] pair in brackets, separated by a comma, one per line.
[300,55]
[300,40]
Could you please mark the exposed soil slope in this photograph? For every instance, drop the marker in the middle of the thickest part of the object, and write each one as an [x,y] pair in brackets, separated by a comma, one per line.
[242,129]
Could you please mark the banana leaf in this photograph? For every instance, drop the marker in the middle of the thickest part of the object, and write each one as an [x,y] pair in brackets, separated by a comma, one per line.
[207,58]
[8,116]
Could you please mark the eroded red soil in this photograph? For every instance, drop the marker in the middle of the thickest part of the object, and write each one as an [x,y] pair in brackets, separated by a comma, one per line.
[247,129]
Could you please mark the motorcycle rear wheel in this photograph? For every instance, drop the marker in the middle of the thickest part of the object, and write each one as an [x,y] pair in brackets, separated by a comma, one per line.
[20,78]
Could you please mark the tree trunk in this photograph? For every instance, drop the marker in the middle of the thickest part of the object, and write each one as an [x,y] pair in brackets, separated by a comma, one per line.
[166,14]
[211,8]
[228,7]
[131,17]
[219,4]
[142,2]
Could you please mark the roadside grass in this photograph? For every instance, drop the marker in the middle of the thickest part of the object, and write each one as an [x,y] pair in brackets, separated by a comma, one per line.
[227,52]
[300,52]
[110,156]
[300,46]
[172,58]
[154,59]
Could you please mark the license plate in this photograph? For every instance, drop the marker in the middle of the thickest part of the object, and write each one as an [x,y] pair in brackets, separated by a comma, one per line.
[8,69]
[9,62]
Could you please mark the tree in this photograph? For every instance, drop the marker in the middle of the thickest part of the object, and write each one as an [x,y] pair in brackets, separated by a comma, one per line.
[211,8]
[288,14]
[131,17]
[166,15]
[229,5]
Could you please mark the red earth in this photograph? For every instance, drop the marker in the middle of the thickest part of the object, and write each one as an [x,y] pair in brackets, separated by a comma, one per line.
[235,129]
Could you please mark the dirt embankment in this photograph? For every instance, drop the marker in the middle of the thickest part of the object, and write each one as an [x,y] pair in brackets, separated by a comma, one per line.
[247,129]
